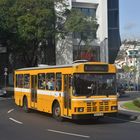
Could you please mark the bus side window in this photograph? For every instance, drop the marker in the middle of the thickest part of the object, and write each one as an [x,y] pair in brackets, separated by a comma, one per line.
[70,81]
[26,80]
[41,81]
[58,81]
[16,80]
[19,80]
[50,81]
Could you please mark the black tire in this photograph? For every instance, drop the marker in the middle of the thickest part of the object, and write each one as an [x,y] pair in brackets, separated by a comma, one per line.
[25,105]
[57,112]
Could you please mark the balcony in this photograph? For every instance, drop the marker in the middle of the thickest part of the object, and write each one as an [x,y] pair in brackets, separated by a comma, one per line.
[87,1]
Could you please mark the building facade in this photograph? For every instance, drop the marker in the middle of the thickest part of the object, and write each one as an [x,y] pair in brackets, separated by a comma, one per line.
[108,38]
[128,64]
[114,41]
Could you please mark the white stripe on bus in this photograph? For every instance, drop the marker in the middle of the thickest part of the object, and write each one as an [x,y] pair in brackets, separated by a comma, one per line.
[22,90]
[57,93]
[84,99]
[50,93]
[42,92]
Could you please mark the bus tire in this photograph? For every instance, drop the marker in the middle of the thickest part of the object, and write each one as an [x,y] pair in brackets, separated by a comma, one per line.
[57,112]
[25,105]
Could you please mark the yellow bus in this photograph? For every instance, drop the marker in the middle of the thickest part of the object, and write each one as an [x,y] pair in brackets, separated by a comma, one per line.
[78,91]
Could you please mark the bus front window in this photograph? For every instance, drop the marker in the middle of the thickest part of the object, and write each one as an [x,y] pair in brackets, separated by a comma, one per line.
[94,84]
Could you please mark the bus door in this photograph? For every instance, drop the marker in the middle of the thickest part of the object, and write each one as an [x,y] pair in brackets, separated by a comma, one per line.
[67,95]
[33,91]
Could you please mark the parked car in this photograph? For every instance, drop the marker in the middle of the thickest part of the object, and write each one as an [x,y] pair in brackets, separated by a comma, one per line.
[120,90]
[130,87]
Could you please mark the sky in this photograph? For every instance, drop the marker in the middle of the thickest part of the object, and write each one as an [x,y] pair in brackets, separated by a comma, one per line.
[130,19]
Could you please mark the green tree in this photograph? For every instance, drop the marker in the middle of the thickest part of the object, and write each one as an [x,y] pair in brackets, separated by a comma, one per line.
[128,69]
[83,25]
[28,28]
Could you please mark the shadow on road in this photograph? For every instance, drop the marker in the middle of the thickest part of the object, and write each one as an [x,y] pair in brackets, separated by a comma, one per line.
[101,121]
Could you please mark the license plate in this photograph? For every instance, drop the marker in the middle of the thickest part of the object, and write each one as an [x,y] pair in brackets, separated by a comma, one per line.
[98,114]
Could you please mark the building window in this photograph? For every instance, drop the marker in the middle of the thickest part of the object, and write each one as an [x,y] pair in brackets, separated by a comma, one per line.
[88,53]
[113,19]
[87,11]
[113,4]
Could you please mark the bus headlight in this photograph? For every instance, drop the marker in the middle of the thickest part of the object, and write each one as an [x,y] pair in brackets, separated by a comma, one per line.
[114,107]
[80,109]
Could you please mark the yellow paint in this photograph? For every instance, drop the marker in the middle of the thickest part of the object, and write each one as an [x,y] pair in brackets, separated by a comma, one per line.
[44,102]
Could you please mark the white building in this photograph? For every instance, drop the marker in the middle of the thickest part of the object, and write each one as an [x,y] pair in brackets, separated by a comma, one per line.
[106,46]
[132,57]
[130,51]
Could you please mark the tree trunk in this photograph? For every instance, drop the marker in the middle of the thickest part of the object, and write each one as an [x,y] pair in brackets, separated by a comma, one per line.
[51,59]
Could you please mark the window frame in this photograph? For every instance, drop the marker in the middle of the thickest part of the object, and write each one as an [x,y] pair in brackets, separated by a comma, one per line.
[19,81]
[49,78]
[39,81]
[60,81]
[28,82]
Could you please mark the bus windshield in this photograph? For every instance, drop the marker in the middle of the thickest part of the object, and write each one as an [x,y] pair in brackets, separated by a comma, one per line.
[94,84]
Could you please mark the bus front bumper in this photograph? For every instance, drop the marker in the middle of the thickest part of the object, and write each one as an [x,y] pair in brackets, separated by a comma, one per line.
[92,116]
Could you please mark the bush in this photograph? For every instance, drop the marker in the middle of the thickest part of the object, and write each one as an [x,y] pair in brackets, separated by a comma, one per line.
[136,102]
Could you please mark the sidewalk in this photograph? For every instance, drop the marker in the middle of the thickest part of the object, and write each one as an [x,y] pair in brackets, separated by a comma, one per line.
[134,91]
[130,114]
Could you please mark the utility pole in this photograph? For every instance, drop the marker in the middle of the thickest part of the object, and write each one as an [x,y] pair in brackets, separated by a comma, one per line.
[5,79]
[138,74]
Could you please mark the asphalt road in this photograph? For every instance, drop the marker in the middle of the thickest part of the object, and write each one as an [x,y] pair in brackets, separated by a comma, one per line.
[129,96]
[18,125]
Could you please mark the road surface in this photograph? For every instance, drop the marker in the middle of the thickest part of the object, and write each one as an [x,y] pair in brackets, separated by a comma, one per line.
[18,125]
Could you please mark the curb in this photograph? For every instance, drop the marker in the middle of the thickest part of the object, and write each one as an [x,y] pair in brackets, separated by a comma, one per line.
[127,114]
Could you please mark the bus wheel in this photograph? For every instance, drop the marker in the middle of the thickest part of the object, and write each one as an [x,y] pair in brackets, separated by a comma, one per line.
[25,105]
[57,112]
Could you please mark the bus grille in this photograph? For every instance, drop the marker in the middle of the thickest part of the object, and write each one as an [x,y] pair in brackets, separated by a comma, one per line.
[94,106]
[91,107]
[104,106]
[103,103]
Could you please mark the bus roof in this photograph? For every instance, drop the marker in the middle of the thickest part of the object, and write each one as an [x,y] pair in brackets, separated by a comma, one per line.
[57,66]
[44,67]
